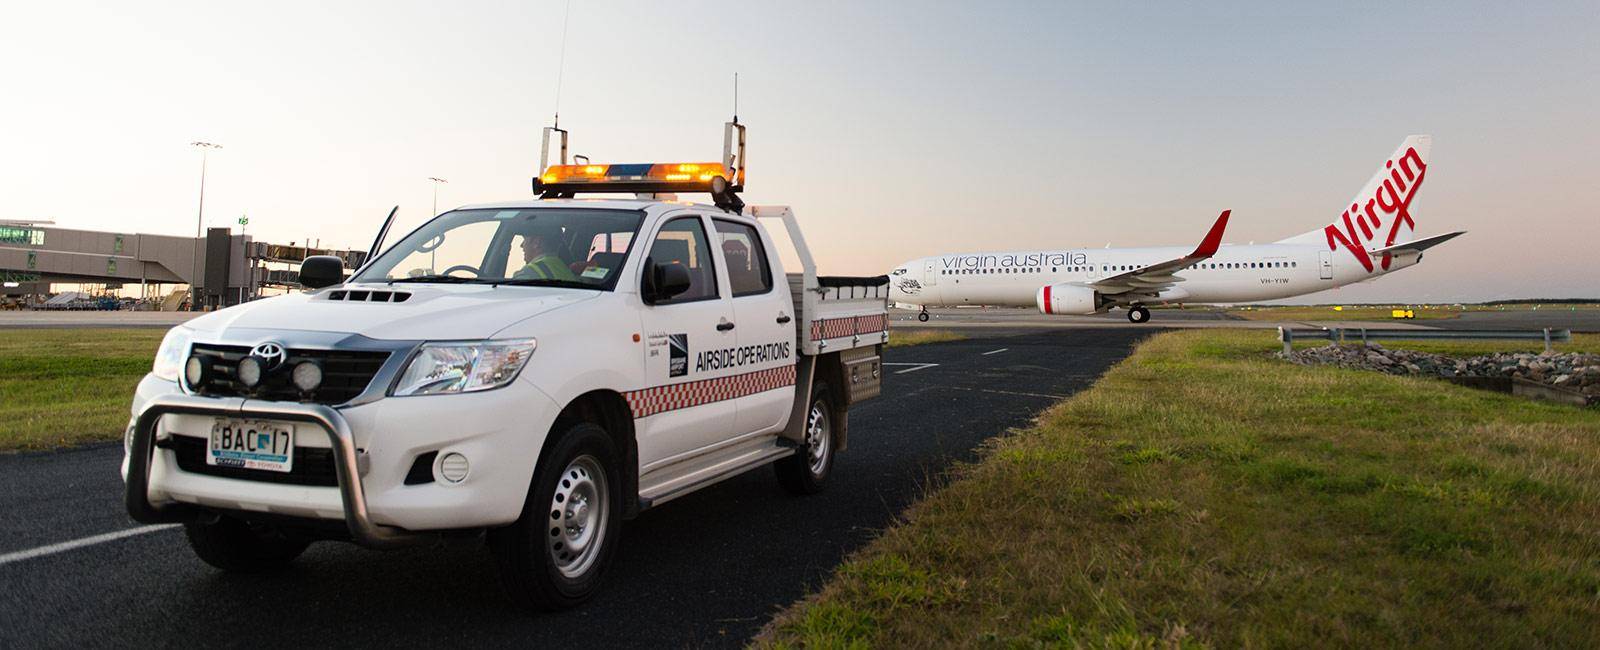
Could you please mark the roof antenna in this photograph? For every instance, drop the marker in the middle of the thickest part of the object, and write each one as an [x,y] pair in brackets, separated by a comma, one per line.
[735,98]
[555,125]
[561,67]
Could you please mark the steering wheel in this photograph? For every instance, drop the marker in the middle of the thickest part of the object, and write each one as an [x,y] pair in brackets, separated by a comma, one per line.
[463,267]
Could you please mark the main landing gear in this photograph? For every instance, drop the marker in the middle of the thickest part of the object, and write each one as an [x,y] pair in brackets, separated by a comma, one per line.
[923,315]
[1138,314]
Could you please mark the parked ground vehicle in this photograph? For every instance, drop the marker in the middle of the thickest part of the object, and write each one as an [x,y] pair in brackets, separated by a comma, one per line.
[534,370]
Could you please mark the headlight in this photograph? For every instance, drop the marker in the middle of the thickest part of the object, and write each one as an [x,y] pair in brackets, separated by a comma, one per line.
[171,355]
[463,367]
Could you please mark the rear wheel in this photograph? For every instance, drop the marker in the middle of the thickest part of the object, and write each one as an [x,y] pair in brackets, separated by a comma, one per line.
[240,547]
[807,471]
[1138,314]
[554,555]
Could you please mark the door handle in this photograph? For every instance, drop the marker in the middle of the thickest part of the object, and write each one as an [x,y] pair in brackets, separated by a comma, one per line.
[783,318]
[723,327]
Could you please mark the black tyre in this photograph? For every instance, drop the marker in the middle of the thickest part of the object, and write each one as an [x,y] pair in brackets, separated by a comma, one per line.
[554,556]
[923,317]
[240,547]
[806,472]
[1138,315]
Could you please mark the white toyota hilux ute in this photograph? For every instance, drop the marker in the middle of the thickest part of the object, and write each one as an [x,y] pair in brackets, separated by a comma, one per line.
[532,372]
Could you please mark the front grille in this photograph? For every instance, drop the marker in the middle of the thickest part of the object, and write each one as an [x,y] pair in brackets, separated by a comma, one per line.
[345,374]
[312,465]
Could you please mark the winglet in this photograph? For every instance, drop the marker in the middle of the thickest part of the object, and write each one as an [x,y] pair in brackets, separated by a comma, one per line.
[1213,240]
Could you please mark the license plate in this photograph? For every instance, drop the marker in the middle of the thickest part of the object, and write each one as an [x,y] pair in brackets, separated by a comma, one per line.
[251,444]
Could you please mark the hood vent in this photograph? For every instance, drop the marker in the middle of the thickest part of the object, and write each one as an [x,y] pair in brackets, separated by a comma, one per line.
[369,296]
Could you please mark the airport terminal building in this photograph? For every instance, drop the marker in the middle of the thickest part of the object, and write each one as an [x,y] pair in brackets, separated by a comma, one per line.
[223,267]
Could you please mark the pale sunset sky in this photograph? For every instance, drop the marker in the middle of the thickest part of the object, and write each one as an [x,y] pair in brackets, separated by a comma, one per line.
[896,130]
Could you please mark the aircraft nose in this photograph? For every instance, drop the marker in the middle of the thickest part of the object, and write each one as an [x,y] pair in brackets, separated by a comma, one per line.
[904,278]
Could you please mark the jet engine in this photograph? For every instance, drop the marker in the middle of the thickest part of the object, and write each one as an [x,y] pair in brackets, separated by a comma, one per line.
[1067,299]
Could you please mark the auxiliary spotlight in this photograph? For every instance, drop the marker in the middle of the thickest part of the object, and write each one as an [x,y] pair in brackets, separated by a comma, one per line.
[250,372]
[307,376]
[197,371]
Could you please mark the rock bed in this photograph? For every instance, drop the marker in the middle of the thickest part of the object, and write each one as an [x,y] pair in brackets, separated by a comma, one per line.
[1572,371]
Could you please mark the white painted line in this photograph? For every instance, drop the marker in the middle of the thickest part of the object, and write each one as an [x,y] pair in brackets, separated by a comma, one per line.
[995,351]
[1006,392]
[914,366]
[63,547]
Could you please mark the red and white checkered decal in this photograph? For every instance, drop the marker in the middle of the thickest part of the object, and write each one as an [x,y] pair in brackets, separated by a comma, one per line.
[832,328]
[659,399]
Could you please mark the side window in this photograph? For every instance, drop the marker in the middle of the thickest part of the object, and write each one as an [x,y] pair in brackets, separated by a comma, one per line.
[683,241]
[746,258]
[609,242]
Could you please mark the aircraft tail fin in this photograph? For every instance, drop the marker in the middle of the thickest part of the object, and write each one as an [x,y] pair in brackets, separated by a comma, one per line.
[1379,217]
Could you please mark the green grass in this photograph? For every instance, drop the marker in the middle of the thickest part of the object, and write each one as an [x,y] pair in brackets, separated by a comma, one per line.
[1583,343]
[1384,312]
[61,387]
[907,337]
[1203,493]
[1298,313]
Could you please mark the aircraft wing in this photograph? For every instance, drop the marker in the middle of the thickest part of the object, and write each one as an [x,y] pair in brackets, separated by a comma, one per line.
[1154,278]
[1418,245]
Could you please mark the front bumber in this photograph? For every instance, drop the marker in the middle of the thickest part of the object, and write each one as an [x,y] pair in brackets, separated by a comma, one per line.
[362,529]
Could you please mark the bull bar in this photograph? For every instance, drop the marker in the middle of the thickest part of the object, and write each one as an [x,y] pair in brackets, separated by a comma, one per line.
[362,529]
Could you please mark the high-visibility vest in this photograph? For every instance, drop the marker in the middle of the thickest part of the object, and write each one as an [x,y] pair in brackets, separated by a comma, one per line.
[549,267]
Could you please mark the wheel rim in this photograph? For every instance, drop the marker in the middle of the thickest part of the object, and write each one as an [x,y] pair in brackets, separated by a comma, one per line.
[578,516]
[819,437]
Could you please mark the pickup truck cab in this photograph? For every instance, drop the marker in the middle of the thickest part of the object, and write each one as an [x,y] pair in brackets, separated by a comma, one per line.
[533,372]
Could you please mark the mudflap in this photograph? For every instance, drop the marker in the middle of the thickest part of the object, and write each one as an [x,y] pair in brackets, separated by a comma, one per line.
[795,431]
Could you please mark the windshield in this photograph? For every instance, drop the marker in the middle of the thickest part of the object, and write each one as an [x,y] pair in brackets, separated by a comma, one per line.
[573,247]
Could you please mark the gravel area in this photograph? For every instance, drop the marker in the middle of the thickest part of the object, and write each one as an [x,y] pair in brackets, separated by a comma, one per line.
[1573,371]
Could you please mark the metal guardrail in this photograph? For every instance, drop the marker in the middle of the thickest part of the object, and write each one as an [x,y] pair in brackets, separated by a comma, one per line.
[1343,334]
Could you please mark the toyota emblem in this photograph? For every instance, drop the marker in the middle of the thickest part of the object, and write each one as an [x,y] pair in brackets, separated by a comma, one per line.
[271,354]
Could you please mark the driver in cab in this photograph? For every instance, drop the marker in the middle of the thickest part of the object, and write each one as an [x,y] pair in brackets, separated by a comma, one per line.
[543,263]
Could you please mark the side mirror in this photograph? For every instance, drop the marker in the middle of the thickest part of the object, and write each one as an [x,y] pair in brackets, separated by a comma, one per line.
[320,271]
[664,282]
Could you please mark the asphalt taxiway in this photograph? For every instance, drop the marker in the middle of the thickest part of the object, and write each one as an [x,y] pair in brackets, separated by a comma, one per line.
[709,569]
[1017,320]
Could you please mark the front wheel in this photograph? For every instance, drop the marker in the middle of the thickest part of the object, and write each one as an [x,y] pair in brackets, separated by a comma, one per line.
[806,472]
[922,317]
[554,555]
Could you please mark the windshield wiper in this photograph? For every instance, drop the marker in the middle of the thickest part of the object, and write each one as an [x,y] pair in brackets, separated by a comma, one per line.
[443,279]
[546,282]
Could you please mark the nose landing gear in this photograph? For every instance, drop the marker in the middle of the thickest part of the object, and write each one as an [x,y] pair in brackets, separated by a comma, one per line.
[1138,314]
[923,315]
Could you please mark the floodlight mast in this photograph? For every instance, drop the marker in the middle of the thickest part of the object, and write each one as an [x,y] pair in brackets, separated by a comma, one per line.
[544,148]
[731,159]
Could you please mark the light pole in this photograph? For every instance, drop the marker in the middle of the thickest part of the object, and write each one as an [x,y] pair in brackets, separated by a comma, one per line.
[433,256]
[436,183]
[194,268]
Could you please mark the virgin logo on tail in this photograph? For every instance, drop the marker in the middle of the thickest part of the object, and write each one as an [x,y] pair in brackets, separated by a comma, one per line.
[1390,202]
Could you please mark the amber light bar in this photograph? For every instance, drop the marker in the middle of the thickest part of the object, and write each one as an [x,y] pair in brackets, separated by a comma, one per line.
[687,173]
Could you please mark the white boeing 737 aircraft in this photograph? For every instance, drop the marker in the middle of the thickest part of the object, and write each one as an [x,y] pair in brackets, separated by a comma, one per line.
[1373,237]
